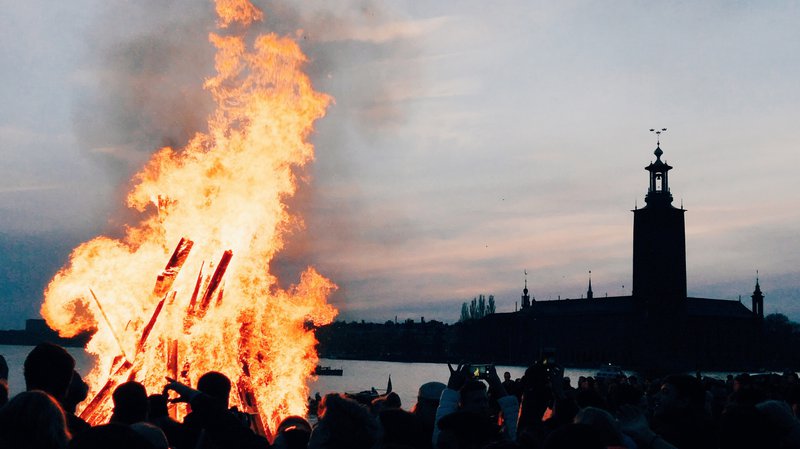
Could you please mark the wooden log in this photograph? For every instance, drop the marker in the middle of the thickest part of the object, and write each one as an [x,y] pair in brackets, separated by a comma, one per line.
[110,326]
[216,279]
[219,295]
[196,291]
[250,406]
[167,277]
[107,389]
[172,369]
[149,327]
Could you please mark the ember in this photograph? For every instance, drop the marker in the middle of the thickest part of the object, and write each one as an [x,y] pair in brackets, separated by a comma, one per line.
[215,305]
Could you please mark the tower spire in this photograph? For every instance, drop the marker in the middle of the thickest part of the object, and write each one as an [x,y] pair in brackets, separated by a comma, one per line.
[590,293]
[758,300]
[658,193]
[525,300]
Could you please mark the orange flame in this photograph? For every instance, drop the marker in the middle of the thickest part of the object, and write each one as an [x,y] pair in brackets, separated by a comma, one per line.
[215,306]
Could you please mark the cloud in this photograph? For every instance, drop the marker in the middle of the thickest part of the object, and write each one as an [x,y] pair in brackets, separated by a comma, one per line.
[381,33]
[29,188]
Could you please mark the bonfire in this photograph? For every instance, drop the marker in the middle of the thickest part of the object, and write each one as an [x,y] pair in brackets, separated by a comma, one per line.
[188,289]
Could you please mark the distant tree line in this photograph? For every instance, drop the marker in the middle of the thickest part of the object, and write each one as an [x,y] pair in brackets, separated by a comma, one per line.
[477,308]
[781,340]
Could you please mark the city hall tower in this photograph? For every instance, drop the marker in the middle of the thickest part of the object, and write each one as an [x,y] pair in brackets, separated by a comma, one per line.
[659,241]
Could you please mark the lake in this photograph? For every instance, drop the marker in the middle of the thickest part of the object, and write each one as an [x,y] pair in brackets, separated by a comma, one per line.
[358,375]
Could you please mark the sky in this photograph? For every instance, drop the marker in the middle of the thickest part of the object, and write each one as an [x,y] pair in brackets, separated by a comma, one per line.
[468,142]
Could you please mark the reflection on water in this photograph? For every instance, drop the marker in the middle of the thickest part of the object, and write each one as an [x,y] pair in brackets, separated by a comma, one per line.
[360,375]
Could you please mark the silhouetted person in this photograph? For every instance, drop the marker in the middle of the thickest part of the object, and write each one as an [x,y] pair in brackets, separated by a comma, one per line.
[427,402]
[3,381]
[389,401]
[680,415]
[108,436]
[574,436]
[3,368]
[403,429]
[3,392]
[743,427]
[152,434]
[344,424]
[49,368]
[780,423]
[130,403]
[464,407]
[216,385]
[508,384]
[210,424]
[605,425]
[33,420]
[158,415]
[293,433]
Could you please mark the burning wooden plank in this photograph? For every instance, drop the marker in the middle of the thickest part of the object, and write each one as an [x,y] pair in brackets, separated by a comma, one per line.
[102,395]
[167,277]
[215,282]
[108,322]
[149,327]
[172,369]
[126,370]
[196,291]
[250,407]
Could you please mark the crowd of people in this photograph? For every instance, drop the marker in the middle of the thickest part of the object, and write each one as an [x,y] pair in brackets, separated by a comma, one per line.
[474,410]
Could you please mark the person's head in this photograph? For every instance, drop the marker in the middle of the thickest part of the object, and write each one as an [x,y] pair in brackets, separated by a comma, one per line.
[428,401]
[377,405]
[293,433]
[130,403]
[506,376]
[742,381]
[49,368]
[781,422]
[344,423]
[157,406]
[680,393]
[606,426]
[216,385]
[35,420]
[625,394]
[473,397]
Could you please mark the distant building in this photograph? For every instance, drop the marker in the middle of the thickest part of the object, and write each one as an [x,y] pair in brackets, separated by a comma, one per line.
[658,327]
[36,331]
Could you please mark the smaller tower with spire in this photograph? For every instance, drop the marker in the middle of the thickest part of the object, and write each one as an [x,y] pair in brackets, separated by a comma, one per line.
[758,301]
[526,298]
[589,293]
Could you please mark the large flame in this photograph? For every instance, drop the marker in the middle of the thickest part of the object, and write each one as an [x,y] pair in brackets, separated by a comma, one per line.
[215,307]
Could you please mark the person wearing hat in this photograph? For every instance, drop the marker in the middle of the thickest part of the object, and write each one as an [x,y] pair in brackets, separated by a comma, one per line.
[427,402]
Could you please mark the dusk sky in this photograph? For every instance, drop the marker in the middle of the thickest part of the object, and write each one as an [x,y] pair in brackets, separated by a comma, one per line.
[469,141]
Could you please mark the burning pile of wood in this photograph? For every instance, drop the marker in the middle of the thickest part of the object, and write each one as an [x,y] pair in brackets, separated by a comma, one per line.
[125,366]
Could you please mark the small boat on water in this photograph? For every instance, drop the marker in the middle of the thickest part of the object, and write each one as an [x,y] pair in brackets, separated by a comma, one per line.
[328,371]
[609,372]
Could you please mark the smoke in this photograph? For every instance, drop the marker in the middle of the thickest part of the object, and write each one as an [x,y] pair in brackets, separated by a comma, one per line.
[148,60]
